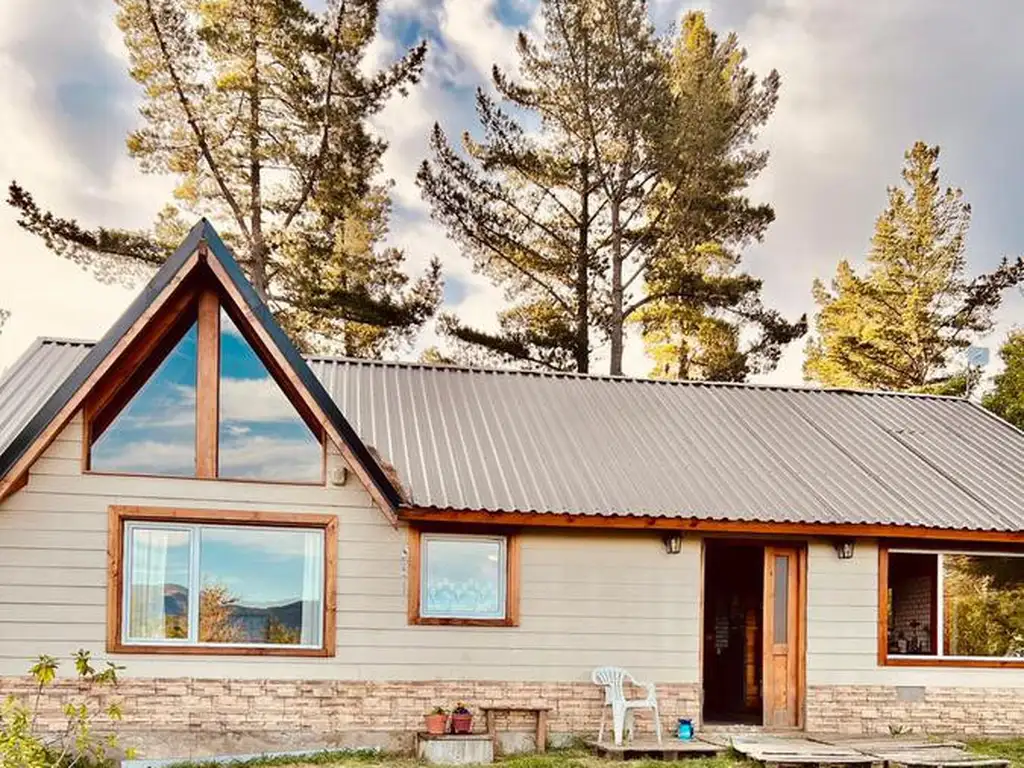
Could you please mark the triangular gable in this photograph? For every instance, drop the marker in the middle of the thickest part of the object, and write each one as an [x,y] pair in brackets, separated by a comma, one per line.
[202,249]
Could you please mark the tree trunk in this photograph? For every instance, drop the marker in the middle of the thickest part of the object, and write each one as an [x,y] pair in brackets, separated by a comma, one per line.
[258,245]
[582,344]
[616,330]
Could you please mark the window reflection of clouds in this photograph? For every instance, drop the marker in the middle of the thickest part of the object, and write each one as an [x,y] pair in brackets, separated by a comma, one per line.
[155,432]
[261,434]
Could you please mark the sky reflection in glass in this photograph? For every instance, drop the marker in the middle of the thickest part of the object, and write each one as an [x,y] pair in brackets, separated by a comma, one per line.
[156,432]
[261,434]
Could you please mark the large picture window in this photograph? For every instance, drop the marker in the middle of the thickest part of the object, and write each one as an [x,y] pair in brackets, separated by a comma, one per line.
[952,607]
[223,582]
[466,579]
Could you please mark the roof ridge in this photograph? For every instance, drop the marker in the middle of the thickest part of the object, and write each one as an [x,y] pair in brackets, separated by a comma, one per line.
[449,368]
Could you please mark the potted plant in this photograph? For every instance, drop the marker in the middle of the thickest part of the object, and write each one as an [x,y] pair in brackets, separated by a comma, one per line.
[462,719]
[435,721]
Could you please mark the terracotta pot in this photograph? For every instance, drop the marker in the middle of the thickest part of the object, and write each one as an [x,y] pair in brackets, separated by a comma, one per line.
[435,724]
[462,723]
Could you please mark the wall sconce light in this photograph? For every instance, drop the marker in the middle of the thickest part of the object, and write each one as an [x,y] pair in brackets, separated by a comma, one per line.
[844,548]
[673,543]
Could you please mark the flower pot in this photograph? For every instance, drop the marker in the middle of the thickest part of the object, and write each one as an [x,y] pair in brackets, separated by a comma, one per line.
[462,723]
[435,724]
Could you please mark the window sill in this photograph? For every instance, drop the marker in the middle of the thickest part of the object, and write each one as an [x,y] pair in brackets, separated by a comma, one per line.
[322,483]
[439,622]
[201,650]
[938,661]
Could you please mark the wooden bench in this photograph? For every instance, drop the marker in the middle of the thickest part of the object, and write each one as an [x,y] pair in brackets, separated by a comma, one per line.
[542,720]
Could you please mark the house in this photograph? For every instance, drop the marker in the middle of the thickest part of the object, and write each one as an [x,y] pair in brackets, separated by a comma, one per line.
[293,552]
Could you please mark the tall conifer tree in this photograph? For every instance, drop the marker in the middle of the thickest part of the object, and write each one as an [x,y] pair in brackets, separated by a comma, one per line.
[899,325]
[259,109]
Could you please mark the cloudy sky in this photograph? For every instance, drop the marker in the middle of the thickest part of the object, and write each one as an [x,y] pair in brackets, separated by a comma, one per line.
[861,81]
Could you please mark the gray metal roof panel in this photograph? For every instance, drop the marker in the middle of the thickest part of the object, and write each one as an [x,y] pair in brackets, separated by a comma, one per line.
[514,441]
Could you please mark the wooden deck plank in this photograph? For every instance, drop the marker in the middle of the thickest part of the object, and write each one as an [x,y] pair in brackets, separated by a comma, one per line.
[669,749]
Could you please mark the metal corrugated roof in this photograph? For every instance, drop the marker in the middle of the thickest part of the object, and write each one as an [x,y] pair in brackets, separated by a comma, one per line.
[515,441]
[32,379]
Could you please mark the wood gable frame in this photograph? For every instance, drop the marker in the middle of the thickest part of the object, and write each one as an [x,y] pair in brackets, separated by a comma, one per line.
[201,272]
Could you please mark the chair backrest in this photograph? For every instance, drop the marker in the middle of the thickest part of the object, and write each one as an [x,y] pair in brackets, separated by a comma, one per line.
[613,679]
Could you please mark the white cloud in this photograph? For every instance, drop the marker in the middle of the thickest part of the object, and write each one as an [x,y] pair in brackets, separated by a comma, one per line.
[254,400]
[861,81]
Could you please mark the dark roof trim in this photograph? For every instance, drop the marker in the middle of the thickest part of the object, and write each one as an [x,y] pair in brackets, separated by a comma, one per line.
[35,427]
[298,365]
[202,232]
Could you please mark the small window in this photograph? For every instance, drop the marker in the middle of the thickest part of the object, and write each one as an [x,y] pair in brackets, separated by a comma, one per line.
[224,587]
[955,607]
[464,579]
[261,434]
[155,432]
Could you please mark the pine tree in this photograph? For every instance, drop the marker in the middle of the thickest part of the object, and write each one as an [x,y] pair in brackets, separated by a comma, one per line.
[259,109]
[696,302]
[899,325]
[590,221]
[1006,399]
[522,206]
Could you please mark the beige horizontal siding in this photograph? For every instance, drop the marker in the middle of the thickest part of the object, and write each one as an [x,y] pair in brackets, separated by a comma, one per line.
[586,599]
[842,629]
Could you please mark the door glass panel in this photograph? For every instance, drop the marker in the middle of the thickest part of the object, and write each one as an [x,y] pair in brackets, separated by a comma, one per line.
[781,607]
[155,434]
[262,436]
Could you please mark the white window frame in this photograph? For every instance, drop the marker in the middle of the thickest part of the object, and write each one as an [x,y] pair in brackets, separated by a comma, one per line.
[940,617]
[194,585]
[425,540]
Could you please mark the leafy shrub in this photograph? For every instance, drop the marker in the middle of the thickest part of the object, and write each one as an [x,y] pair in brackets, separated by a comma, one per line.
[76,744]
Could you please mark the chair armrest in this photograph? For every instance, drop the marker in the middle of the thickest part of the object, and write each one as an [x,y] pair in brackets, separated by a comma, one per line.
[651,693]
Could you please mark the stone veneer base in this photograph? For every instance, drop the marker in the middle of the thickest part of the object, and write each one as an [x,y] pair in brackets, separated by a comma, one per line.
[873,709]
[191,717]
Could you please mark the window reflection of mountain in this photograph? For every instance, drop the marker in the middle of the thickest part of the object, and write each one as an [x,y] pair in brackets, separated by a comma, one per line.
[224,619]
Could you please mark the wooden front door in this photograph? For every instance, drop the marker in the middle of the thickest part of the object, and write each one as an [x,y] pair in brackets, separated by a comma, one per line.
[783,646]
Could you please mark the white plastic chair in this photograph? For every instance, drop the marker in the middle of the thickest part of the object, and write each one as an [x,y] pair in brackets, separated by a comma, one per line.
[613,679]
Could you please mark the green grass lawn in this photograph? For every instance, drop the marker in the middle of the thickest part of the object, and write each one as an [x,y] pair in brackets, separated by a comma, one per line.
[1012,750]
[553,759]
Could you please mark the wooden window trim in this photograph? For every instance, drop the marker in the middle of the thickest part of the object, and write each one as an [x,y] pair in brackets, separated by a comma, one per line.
[118,516]
[512,580]
[201,306]
[885,660]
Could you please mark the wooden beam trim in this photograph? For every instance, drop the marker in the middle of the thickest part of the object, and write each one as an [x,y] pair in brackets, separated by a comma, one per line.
[118,515]
[207,385]
[308,400]
[883,605]
[637,522]
[10,483]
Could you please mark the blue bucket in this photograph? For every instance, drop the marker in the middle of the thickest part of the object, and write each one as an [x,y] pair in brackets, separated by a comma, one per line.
[685,729]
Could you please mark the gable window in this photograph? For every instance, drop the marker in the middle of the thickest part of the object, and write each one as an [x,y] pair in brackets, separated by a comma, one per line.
[951,608]
[155,432]
[202,402]
[260,433]
[223,582]
[469,579]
